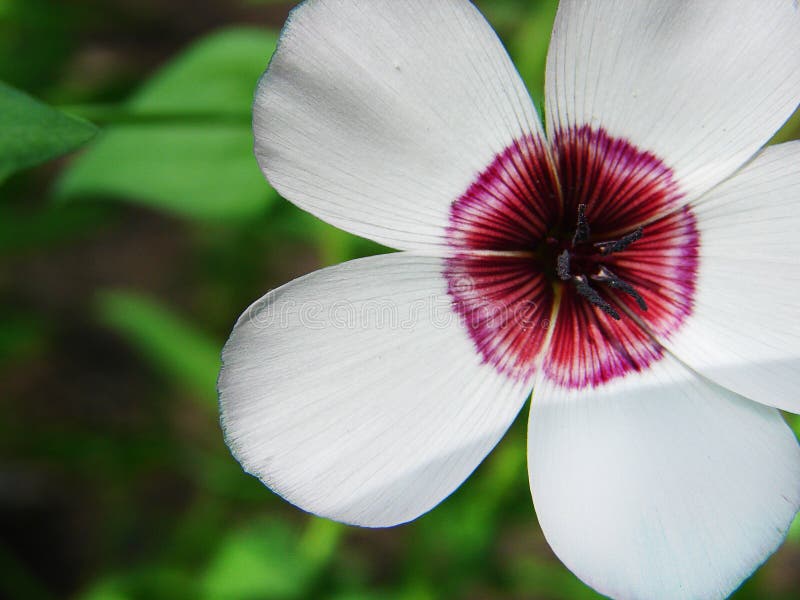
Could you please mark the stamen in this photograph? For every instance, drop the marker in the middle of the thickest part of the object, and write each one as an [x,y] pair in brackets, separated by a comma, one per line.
[562,266]
[610,279]
[619,245]
[582,232]
[604,275]
[585,290]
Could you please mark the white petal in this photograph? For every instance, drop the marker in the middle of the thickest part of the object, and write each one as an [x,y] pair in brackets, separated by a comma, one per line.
[375,115]
[355,393]
[661,485]
[744,331]
[703,84]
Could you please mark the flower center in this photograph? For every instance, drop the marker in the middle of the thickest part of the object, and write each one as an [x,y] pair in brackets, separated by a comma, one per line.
[550,253]
[590,268]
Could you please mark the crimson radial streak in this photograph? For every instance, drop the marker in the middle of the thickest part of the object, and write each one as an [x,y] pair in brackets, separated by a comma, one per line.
[508,230]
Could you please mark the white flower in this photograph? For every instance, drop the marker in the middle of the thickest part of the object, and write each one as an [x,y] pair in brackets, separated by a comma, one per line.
[635,263]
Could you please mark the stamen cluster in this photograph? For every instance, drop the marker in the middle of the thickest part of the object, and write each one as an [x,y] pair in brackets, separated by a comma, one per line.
[602,274]
[553,233]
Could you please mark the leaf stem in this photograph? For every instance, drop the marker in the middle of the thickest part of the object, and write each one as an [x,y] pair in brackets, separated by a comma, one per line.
[119,114]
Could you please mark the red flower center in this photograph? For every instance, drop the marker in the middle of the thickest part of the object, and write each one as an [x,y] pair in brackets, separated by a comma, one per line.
[576,256]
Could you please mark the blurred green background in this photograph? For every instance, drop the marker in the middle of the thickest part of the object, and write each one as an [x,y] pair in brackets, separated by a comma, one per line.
[124,265]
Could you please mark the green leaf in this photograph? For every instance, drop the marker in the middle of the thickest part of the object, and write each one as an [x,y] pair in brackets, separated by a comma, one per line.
[794,530]
[261,561]
[217,75]
[790,130]
[148,581]
[27,230]
[21,336]
[320,541]
[186,144]
[182,353]
[205,172]
[537,578]
[106,589]
[529,45]
[32,132]
[51,23]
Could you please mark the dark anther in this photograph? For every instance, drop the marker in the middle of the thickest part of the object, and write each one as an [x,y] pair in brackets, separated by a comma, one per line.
[582,232]
[607,277]
[585,290]
[607,248]
[562,266]
[582,259]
